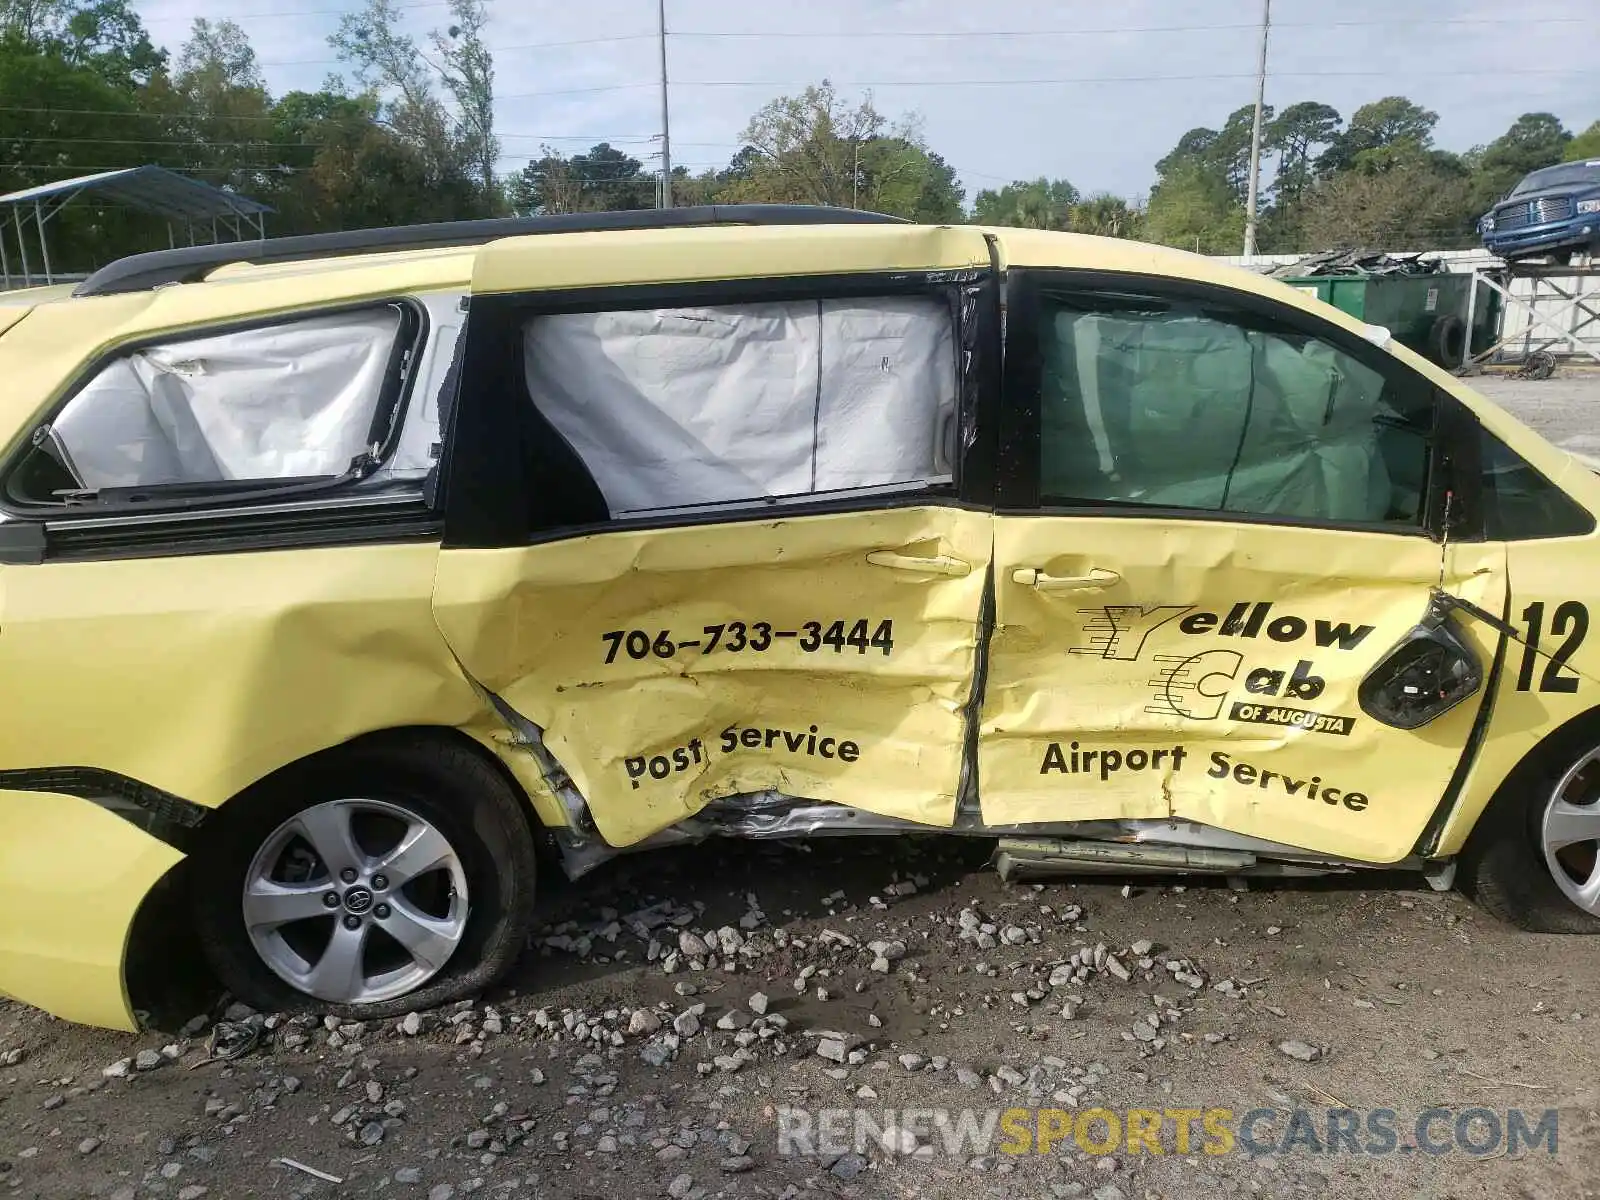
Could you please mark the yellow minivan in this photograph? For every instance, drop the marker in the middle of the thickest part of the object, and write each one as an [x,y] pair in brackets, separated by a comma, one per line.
[345,578]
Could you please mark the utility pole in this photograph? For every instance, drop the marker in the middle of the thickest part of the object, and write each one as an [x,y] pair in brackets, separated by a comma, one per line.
[666,136]
[1255,135]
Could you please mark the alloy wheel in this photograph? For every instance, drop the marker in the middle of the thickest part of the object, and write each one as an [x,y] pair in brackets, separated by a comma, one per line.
[355,901]
[1570,833]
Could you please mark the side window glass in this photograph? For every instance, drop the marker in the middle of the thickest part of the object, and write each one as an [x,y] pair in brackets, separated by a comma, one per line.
[1152,402]
[299,400]
[684,407]
[1520,504]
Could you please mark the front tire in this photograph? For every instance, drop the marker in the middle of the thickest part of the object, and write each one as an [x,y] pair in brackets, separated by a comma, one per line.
[1534,858]
[393,874]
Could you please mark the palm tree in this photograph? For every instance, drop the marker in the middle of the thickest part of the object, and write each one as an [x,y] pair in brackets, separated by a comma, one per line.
[1104,215]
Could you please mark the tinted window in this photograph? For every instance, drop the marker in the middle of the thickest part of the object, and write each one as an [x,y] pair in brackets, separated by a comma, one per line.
[1151,402]
[1519,503]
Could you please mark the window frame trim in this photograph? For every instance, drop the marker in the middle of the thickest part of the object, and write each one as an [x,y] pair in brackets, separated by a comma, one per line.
[487,498]
[1018,487]
[414,316]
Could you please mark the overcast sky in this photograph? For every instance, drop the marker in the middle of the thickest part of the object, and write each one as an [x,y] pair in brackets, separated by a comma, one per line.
[1083,89]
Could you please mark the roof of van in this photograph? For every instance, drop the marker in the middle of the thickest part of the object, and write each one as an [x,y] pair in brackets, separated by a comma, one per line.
[190,264]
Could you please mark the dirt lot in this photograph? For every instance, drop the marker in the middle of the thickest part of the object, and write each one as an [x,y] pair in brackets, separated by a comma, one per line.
[1406,999]
[880,977]
[1563,408]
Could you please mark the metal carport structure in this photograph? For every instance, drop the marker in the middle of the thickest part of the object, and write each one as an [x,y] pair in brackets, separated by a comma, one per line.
[151,189]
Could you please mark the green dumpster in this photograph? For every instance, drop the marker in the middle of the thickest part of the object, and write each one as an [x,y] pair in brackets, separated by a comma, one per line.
[1427,312]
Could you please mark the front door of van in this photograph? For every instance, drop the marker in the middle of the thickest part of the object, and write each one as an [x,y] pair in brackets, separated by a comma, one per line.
[1216,523]
[709,538]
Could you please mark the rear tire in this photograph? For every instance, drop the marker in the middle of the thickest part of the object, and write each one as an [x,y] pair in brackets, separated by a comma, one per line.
[1505,867]
[481,898]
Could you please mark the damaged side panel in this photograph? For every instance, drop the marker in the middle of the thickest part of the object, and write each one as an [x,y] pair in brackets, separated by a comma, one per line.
[201,674]
[1208,671]
[668,668]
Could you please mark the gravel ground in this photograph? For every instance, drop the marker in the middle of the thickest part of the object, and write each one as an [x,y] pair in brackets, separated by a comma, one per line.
[676,1002]
[1564,408]
[874,976]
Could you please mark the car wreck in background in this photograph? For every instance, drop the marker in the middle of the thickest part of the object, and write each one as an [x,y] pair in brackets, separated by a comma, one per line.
[1554,210]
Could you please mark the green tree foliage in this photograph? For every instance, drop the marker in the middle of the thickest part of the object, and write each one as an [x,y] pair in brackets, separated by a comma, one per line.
[711,185]
[1585,145]
[814,148]
[1055,204]
[1375,128]
[1105,215]
[1379,181]
[1534,140]
[1027,204]
[216,109]
[1195,207]
[818,148]
[58,120]
[1412,205]
[901,176]
[1294,136]
[106,36]
[808,148]
[1223,152]
[467,68]
[457,155]
[603,179]
[84,89]
[347,171]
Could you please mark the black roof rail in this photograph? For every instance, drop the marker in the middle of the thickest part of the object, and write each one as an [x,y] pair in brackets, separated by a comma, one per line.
[189,264]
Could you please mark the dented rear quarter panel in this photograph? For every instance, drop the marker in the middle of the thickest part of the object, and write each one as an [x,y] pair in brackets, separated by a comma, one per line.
[200,673]
[200,676]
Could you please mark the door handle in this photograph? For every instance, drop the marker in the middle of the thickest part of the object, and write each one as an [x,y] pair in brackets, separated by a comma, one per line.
[942,565]
[1096,578]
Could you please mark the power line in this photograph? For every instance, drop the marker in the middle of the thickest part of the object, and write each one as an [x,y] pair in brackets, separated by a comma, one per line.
[898,34]
[229,169]
[304,12]
[170,115]
[198,115]
[1064,81]
[259,142]
[594,41]
[1097,79]
[583,91]
[934,34]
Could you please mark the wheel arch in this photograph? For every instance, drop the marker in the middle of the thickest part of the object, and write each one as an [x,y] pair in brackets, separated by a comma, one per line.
[164,972]
[1473,819]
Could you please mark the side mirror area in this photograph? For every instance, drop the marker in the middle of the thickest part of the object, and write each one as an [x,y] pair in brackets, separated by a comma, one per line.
[1426,674]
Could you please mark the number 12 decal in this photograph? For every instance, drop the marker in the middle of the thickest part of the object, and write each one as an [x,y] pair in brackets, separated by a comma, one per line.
[1572,621]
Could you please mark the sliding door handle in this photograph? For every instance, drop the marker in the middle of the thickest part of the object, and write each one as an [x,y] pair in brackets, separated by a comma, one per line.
[1096,578]
[942,565]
